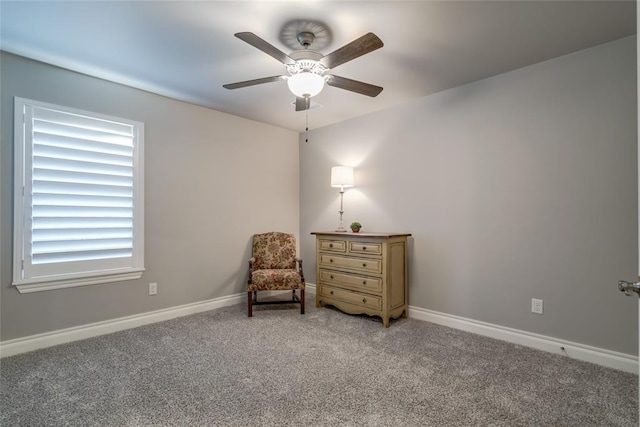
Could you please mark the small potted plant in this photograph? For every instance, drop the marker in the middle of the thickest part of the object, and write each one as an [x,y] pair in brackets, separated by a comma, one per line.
[355,226]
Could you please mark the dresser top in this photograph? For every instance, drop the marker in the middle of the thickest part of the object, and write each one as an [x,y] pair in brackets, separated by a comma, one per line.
[343,234]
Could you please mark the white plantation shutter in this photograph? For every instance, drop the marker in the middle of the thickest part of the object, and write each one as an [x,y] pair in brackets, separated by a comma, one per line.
[80,188]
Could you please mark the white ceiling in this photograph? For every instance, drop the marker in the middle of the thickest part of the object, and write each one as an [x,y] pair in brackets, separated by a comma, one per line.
[186,50]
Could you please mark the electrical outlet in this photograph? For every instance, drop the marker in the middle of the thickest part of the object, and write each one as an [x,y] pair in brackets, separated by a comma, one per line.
[153,288]
[536,306]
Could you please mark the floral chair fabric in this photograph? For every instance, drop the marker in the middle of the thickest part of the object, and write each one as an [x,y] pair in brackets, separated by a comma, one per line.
[274,251]
[275,280]
[274,266]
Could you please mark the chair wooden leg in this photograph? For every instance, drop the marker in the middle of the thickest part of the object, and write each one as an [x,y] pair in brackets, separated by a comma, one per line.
[301,301]
[249,305]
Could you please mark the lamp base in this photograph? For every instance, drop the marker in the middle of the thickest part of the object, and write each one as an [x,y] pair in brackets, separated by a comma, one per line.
[341,230]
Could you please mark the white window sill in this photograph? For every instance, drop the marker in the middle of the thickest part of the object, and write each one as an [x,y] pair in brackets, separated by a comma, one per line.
[28,287]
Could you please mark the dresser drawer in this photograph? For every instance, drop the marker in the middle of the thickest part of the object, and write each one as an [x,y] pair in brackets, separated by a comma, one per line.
[365,248]
[333,245]
[367,284]
[355,298]
[358,264]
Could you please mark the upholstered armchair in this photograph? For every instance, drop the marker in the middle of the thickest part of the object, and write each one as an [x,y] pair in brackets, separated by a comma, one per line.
[274,267]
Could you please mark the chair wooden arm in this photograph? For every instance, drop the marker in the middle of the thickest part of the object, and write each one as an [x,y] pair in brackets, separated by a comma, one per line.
[299,261]
[252,260]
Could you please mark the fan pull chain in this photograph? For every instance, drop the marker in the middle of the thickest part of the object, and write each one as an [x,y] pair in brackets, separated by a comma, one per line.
[306,130]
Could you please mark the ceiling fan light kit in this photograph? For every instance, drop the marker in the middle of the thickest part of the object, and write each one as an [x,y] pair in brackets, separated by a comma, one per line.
[305,84]
[307,68]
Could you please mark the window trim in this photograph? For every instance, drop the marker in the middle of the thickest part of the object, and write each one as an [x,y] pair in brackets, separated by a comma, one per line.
[21,150]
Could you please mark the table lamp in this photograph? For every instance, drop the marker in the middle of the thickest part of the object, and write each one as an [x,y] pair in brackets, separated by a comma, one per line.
[341,176]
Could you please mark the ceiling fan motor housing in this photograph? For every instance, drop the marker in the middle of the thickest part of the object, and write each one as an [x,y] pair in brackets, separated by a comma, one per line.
[306,66]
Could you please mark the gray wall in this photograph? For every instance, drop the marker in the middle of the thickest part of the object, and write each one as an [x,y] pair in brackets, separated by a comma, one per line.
[519,186]
[212,180]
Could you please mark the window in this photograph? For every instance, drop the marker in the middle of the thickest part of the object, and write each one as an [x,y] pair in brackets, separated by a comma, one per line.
[78,197]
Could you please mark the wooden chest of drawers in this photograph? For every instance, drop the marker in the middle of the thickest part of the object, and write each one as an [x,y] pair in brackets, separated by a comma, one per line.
[363,273]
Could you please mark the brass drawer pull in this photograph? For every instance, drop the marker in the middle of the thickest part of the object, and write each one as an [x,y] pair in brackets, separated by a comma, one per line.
[331,260]
[330,245]
[364,300]
[364,282]
[331,292]
[331,276]
[364,264]
[364,248]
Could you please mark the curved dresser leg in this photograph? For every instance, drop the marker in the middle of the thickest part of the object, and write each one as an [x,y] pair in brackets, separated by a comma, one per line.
[385,321]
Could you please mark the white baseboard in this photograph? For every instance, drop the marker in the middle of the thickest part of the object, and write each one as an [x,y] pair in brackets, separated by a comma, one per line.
[48,339]
[600,356]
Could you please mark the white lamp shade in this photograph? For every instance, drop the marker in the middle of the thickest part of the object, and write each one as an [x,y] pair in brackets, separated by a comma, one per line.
[342,176]
[305,84]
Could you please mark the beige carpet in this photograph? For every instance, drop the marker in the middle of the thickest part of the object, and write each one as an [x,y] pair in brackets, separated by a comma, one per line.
[324,368]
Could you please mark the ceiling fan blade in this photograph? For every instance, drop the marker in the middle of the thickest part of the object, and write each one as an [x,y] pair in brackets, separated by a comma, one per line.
[253,82]
[266,47]
[303,103]
[354,86]
[363,45]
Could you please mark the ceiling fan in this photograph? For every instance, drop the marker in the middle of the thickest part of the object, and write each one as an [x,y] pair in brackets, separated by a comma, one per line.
[307,69]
